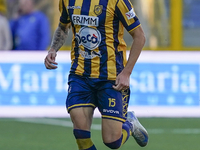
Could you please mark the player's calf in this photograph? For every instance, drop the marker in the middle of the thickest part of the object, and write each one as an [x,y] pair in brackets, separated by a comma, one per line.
[126,130]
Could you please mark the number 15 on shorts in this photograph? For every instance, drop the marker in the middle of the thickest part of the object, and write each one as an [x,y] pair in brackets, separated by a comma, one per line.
[112,102]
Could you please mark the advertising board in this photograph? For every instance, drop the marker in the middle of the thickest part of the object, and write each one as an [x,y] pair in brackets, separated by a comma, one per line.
[159,79]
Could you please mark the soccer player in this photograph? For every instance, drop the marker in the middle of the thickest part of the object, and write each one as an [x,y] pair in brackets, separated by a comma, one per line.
[99,74]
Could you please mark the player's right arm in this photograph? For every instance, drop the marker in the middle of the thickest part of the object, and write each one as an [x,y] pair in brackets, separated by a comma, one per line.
[58,40]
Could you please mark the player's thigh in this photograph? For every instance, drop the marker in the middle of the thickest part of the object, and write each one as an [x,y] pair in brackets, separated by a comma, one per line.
[80,94]
[110,103]
[111,130]
[82,117]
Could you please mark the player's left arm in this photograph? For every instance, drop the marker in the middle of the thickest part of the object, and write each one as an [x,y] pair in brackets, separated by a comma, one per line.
[123,79]
[136,48]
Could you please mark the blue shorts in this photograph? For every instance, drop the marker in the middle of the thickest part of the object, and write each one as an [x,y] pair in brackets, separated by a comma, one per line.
[92,92]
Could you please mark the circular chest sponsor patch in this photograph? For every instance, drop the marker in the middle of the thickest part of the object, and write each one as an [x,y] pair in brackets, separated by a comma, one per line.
[90,38]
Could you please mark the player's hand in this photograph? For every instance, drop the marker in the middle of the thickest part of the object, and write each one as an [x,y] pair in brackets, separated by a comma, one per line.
[122,81]
[50,60]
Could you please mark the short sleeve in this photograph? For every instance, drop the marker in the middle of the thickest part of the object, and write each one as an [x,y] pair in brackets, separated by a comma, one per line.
[64,18]
[125,13]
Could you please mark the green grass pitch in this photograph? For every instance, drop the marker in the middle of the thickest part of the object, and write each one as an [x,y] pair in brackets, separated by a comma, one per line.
[56,134]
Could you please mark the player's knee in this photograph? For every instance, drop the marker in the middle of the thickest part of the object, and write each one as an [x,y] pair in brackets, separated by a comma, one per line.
[114,145]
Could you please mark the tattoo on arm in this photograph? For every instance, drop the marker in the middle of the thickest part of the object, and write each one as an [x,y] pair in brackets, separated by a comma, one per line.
[60,36]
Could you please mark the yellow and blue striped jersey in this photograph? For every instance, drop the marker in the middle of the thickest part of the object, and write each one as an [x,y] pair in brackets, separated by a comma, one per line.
[98,48]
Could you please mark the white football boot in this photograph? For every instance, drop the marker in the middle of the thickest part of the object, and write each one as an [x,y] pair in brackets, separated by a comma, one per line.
[138,131]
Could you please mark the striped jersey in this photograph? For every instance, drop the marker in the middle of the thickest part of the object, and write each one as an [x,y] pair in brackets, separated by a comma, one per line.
[98,49]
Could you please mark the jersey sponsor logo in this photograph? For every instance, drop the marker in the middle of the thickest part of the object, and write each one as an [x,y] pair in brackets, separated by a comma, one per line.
[110,111]
[130,14]
[90,38]
[73,7]
[85,20]
[98,9]
[93,54]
